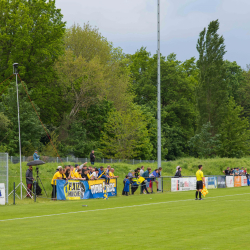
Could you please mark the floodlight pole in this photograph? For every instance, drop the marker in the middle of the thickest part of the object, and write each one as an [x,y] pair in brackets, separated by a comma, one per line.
[15,71]
[158,89]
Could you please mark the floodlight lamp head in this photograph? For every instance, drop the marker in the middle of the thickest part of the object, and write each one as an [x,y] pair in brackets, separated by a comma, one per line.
[15,68]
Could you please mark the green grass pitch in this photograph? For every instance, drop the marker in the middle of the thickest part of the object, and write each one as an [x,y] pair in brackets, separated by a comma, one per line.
[155,221]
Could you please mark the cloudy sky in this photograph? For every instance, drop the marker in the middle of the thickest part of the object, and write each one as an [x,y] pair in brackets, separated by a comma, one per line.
[131,24]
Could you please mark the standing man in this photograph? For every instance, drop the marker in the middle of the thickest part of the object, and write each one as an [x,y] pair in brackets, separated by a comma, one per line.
[142,170]
[178,173]
[29,181]
[36,157]
[92,157]
[200,182]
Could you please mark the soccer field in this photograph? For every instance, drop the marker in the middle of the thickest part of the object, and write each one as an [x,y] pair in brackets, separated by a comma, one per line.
[158,221]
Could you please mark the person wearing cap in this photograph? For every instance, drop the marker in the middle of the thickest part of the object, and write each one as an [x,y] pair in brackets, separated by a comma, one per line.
[36,157]
[57,176]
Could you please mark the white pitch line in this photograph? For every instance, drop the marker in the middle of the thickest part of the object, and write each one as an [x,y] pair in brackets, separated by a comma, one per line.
[112,208]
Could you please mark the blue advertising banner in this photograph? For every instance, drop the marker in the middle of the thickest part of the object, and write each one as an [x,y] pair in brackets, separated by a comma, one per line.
[211,182]
[76,190]
[221,181]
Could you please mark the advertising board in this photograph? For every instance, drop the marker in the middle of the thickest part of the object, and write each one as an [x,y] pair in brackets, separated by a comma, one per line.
[230,181]
[243,181]
[2,194]
[76,190]
[221,181]
[186,184]
[237,181]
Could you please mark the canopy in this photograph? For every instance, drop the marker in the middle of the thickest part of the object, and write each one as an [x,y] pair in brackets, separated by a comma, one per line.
[35,163]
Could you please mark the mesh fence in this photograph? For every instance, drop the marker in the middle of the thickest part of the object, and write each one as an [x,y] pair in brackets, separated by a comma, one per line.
[4,172]
[16,159]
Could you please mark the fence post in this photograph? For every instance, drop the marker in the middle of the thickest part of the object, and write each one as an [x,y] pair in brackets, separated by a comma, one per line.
[103,160]
[54,191]
[57,159]
[14,193]
[133,162]
[11,159]
[119,160]
[34,191]
[140,160]
[162,185]
[67,159]
[111,160]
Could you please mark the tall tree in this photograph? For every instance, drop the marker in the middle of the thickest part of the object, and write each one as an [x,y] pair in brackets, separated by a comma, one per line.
[212,92]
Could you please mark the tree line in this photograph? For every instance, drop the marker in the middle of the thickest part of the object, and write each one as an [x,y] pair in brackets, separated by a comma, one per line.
[91,95]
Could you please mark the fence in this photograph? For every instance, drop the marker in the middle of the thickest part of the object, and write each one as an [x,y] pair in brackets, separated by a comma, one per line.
[4,172]
[16,159]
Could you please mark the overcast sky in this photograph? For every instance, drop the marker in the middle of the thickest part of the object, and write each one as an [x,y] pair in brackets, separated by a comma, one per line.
[131,24]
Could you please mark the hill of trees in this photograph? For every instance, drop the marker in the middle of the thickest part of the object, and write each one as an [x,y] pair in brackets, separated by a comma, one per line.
[91,95]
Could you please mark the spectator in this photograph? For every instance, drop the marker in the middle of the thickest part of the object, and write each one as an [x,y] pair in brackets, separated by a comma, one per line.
[131,174]
[178,173]
[57,176]
[108,169]
[241,172]
[78,175]
[231,171]
[236,171]
[177,169]
[102,175]
[94,175]
[67,172]
[145,184]
[72,171]
[111,174]
[159,172]
[227,171]
[126,185]
[141,170]
[154,175]
[92,157]
[29,181]
[85,175]
[36,157]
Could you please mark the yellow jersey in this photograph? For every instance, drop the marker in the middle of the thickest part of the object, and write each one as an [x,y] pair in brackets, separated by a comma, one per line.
[55,177]
[199,175]
[77,175]
[111,174]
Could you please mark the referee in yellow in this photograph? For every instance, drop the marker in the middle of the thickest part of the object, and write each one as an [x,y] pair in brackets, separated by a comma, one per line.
[200,182]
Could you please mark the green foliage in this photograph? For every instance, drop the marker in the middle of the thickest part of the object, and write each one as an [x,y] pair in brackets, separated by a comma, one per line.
[212,92]
[204,144]
[235,133]
[31,128]
[125,136]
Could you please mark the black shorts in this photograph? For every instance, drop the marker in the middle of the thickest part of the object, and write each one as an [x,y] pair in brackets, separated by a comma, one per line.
[199,185]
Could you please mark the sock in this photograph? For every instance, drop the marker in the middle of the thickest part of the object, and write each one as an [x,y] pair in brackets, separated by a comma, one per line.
[200,195]
[196,194]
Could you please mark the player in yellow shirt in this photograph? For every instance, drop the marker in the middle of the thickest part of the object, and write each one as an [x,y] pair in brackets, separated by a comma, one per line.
[57,176]
[200,181]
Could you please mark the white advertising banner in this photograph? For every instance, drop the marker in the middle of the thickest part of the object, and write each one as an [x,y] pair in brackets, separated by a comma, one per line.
[186,184]
[243,181]
[2,194]
[230,181]
[174,184]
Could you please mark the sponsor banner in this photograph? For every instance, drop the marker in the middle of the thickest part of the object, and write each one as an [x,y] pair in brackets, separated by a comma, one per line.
[174,184]
[211,182]
[248,180]
[2,194]
[186,184]
[237,181]
[221,181]
[243,181]
[230,181]
[76,190]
